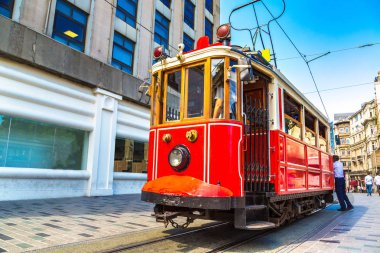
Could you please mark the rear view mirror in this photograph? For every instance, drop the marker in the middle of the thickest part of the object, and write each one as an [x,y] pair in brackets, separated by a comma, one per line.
[246,71]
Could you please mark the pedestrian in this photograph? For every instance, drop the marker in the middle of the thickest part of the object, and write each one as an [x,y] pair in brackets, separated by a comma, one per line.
[368,183]
[377,182]
[359,189]
[340,186]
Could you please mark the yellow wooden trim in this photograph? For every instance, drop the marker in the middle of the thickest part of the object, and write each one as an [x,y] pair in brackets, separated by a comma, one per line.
[226,106]
[153,100]
[207,90]
[239,95]
[166,93]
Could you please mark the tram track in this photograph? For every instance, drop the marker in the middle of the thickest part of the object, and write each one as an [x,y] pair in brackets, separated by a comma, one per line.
[258,235]
[128,247]
[244,236]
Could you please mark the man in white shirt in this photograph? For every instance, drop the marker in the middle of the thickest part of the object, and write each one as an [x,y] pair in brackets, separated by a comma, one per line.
[377,182]
[369,182]
[340,186]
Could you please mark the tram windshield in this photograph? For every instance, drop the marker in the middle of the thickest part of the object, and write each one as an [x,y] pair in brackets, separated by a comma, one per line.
[207,89]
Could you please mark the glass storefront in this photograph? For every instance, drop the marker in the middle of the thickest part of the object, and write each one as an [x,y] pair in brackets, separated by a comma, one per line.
[130,156]
[31,144]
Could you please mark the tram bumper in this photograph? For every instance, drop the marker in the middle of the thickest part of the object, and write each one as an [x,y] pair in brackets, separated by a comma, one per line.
[185,191]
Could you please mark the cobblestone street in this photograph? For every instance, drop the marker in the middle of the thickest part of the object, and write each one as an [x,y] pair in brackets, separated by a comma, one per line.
[39,224]
[30,225]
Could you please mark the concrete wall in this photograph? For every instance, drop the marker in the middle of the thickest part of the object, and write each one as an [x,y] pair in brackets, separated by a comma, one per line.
[40,96]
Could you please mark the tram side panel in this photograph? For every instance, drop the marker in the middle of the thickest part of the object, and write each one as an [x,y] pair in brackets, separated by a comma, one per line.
[298,167]
[215,156]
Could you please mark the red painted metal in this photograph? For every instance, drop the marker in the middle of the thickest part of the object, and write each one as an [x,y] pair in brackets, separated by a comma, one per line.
[215,157]
[299,167]
[185,186]
[203,42]
[217,161]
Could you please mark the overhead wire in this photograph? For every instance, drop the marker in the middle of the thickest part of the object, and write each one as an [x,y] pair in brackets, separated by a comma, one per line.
[303,57]
[341,87]
[333,51]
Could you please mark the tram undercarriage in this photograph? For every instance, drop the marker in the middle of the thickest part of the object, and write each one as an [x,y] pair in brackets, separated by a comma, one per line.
[271,212]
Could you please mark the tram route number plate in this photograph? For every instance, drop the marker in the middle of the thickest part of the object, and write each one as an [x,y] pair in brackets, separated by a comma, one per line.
[171,200]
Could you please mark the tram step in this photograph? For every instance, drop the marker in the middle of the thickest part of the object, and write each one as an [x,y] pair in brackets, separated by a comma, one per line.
[259,225]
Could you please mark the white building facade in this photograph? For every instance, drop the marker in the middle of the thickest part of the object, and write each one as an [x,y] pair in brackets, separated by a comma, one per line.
[72,122]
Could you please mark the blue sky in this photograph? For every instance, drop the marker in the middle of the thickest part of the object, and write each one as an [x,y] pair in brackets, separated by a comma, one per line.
[318,27]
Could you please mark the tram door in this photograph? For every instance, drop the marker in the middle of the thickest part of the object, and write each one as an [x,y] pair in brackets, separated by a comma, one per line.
[256,130]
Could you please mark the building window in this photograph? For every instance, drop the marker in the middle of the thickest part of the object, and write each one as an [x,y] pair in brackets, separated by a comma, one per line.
[166,3]
[189,13]
[161,30]
[188,42]
[346,129]
[370,114]
[122,55]
[209,6]
[130,156]
[6,8]
[31,144]
[209,30]
[70,25]
[127,10]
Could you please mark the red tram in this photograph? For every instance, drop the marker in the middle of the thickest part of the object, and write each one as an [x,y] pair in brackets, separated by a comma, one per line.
[232,139]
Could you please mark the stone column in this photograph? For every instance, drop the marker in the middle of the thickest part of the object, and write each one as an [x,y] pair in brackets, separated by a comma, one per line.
[101,149]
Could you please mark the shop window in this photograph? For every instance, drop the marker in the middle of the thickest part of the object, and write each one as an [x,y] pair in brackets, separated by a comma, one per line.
[6,8]
[130,156]
[189,14]
[70,25]
[122,54]
[173,96]
[195,91]
[166,3]
[217,79]
[127,11]
[292,117]
[161,30]
[310,135]
[31,144]
[209,6]
[209,30]
[188,42]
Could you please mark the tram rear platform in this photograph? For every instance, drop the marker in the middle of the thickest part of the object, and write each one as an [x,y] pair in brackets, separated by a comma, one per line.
[51,224]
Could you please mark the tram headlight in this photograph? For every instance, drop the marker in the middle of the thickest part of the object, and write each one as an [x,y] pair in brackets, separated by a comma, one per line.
[179,158]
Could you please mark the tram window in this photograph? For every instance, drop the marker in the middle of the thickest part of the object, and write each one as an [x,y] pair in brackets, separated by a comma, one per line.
[233,91]
[310,135]
[322,137]
[292,117]
[217,77]
[173,96]
[195,91]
